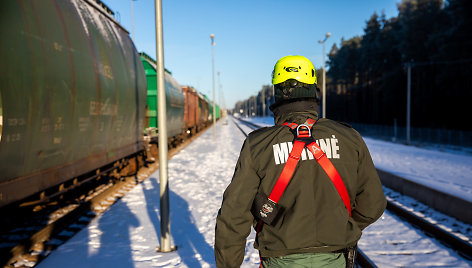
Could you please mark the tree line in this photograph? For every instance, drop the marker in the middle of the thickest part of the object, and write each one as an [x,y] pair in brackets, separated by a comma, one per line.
[367,75]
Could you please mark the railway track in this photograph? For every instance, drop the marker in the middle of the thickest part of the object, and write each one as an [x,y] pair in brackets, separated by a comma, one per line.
[33,231]
[29,233]
[445,237]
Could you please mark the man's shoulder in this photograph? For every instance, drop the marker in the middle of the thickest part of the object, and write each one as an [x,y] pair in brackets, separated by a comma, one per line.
[333,123]
[265,135]
[344,124]
[342,128]
[336,124]
[263,131]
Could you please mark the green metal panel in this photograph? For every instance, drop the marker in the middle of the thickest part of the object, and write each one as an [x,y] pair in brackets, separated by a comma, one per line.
[72,89]
[210,107]
[151,108]
[217,108]
[175,99]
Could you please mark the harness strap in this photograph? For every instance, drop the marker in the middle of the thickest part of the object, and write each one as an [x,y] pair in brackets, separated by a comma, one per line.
[299,144]
[332,173]
[287,171]
[324,162]
[292,160]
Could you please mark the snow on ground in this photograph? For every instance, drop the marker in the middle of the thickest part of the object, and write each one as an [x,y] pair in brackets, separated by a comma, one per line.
[129,232]
[444,171]
[391,242]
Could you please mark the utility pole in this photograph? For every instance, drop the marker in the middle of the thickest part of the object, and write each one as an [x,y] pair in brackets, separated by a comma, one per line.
[162,127]
[263,102]
[247,107]
[219,91]
[255,105]
[132,20]
[212,37]
[408,103]
[324,74]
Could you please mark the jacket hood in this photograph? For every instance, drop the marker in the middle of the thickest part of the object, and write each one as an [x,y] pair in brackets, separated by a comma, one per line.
[296,112]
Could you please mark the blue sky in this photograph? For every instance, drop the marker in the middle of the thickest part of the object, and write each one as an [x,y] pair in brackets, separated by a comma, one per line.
[250,36]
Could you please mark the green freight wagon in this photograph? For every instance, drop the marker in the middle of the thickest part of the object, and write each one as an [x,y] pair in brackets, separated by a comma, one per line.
[175,100]
[217,109]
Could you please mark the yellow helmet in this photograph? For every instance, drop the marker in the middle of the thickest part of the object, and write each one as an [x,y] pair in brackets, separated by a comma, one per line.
[294,67]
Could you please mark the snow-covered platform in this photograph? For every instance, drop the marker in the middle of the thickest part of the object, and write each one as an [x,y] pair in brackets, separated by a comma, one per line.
[444,171]
[128,233]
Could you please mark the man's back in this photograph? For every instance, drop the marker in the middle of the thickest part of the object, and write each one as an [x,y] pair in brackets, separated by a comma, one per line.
[313,218]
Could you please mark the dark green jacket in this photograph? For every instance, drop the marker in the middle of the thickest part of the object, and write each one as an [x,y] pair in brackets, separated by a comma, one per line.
[315,218]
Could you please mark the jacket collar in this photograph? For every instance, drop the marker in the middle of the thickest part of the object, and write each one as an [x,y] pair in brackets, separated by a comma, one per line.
[296,112]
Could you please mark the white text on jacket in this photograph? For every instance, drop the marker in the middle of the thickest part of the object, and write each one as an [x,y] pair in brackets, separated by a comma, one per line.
[329,146]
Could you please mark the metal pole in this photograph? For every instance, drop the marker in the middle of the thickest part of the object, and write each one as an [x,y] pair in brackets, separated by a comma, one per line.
[255,105]
[212,36]
[161,104]
[219,90]
[324,83]
[324,75]
[247,107]
[408,104]
[263,103]
[395,130]
[132,20]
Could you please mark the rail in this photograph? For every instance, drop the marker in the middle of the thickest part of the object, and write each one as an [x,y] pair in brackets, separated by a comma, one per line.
[44,222]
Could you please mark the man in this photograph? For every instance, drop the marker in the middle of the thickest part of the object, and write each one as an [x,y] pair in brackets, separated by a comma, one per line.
[314,226]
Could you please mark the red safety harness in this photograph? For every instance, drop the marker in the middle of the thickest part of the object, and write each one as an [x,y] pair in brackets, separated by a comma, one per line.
[302,140]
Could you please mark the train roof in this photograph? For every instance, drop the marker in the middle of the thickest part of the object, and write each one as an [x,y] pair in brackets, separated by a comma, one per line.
[105,10]
[199,94]
[152,61]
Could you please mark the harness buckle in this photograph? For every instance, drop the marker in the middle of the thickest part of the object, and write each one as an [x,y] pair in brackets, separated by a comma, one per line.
[304,135]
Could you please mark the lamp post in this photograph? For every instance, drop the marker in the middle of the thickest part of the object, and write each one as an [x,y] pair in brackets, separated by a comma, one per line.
[132,20]
[212,37]
[324,74]
[408,102]
[255,105]
[161,104]
[263,102]
[219,92]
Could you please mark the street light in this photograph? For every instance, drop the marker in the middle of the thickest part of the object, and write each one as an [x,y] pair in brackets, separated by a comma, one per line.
[255,104]
[212,37]
[408,102]
[263,102]
[328,34]
[161,105]
[132,20]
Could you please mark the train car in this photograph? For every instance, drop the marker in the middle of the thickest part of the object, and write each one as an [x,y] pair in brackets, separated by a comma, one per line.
[175,102]
[191,111]
[204,111]
[196,110]
[72,93]
[211,113]
[217,111]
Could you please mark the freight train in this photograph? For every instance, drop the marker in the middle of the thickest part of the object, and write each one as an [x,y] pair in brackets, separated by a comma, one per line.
[76,96]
